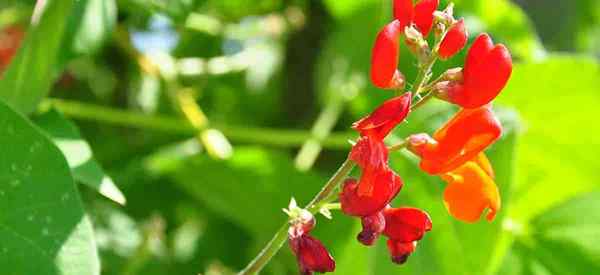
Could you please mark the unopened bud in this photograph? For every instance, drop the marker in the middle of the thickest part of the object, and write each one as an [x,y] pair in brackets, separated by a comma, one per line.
[416,43]
[454,74]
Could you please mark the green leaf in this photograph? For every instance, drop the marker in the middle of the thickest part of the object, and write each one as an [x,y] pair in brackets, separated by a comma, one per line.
[252,179]
[90,24]
[505,21]
[78,153]
[562,241]
[43,228]
[557,154]
[32,72]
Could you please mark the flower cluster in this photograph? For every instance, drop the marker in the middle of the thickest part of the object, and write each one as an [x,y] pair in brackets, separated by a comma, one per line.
[455,152]
[10,40]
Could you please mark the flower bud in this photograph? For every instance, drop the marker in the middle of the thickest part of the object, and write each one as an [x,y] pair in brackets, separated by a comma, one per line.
[372,226]
[311,254]
[423,17]
[417,45]
[454,41]
[403,12]
[384,58]
[400,250]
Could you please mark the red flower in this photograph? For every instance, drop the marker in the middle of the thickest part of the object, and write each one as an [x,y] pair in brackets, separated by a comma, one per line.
[404,226]
[487,70]
[384,59]
[385,118]
[462,138]
[471,190]
[372,226]
[421,14]
[369,153]
[10,40]
[384,186]
[454,41]
[312,256]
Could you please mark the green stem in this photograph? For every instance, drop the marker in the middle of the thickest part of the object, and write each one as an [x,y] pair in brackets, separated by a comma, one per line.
[280,236]
[251,135]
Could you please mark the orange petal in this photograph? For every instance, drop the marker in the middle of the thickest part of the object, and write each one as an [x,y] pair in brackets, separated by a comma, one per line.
[470,192]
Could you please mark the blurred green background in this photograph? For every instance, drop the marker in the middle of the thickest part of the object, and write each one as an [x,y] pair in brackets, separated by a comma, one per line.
[108,93]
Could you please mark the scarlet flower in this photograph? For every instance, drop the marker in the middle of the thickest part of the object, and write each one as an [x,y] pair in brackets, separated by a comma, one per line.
[385,118]
[462,138]
[311,255]
[454,41]
[384,58]
[404,227]
[384,184]
[487,70]
[471,190]
[421,14]
[10,40]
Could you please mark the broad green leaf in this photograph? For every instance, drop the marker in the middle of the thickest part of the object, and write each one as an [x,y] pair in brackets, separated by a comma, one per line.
[556,159]
[341,9]
[90,24]
[32,72]
[78,153]
[561,241]
[43,228]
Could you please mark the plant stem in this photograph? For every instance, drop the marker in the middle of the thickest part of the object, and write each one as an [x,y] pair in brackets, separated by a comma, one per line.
[244,134]
[281,235]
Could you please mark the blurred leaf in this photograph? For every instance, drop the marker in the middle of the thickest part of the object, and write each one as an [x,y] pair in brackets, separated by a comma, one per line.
[557,154]
[78,153]
[252,179]
[341,9]
[505,21]
[32,72]
[43,228]
[91,22]
[563,240]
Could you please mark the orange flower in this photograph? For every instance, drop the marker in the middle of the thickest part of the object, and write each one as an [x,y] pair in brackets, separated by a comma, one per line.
[461,139]
[471,190]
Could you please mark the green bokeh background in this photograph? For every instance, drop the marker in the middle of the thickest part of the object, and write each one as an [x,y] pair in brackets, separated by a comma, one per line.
[265,73]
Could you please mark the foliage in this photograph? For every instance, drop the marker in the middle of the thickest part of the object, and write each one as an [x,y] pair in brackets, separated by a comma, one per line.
[94,96]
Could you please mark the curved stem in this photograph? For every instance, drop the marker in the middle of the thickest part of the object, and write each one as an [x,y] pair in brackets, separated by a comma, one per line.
[281,235]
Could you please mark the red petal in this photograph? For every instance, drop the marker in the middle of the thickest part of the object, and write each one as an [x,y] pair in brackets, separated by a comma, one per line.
[312,255]
[400,250]
[369,153]
[384,58]
[403,12]
[424,15]
[488,77]
[481,47]
[372,226]
[454,41]
[385,118]
[385,186]
[406,224]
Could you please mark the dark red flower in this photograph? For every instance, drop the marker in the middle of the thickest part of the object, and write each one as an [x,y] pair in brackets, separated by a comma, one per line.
[383,185]
[487,70]
[372,226]
[454,41]
[385,118]
[384,58]
[404,227]
[406,224]
[311,255]
[10,40]
[421,14]
[462,138]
